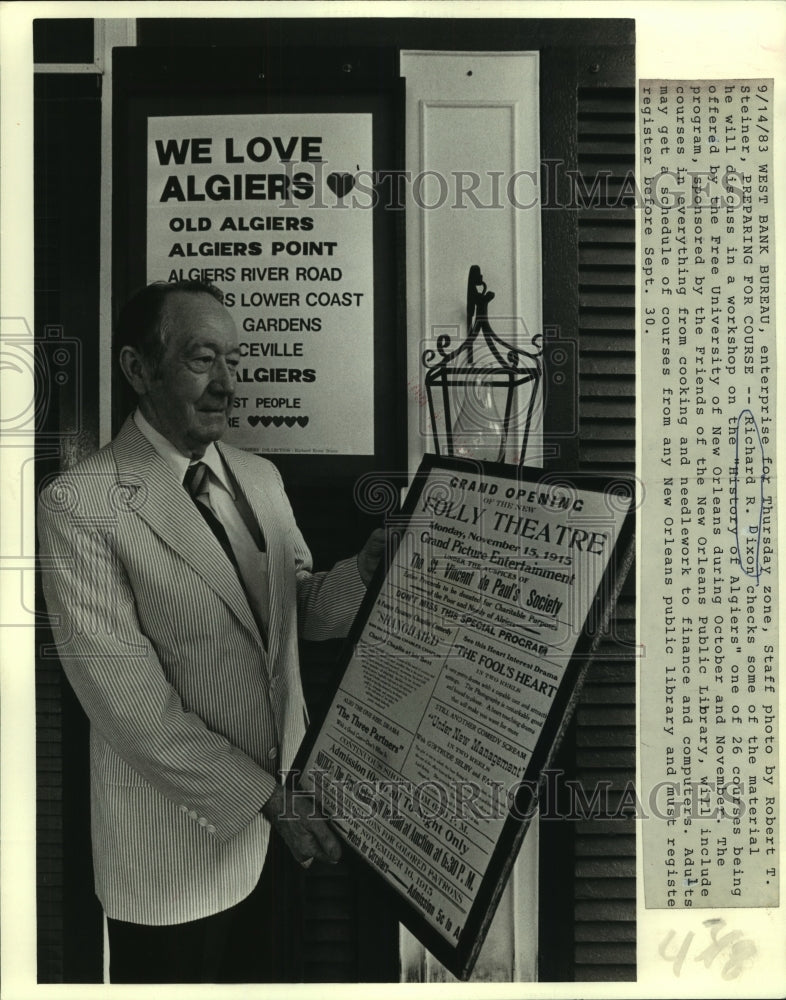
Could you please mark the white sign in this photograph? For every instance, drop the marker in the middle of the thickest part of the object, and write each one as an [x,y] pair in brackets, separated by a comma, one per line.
[268,208]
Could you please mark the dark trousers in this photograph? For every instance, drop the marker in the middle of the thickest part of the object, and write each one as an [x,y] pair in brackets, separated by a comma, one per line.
[256,941]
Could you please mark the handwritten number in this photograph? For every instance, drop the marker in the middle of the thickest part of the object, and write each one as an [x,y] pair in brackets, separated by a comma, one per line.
[679,958]
[741,958]
[711,952]
[740,951]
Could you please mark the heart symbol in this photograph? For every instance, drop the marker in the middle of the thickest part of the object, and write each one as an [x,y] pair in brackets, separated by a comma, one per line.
[278,421]
[302,421]
[253,420]
[265,421]
[289,421]
[340,183]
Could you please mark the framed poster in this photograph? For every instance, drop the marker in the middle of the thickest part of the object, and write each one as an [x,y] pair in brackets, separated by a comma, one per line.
[272,177]
[458,677]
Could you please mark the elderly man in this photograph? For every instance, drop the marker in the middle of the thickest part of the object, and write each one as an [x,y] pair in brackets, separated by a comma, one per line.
[177,582]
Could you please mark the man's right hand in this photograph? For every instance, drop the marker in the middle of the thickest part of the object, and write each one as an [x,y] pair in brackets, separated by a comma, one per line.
[296,817]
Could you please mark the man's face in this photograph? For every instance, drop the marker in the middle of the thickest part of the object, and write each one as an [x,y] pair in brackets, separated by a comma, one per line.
[188,395]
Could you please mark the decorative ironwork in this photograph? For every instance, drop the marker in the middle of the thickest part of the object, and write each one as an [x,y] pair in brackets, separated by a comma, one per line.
[482,368]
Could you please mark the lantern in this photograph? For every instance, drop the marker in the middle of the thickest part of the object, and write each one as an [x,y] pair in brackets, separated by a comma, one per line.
[482,393]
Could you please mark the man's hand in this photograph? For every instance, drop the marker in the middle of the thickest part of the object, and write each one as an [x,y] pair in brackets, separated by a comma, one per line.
[296,817]
[370,554]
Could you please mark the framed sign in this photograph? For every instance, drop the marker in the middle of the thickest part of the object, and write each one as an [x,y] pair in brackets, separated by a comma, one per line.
[272,176]
[458,679]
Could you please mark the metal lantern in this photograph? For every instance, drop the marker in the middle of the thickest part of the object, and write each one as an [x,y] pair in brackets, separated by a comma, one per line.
[483,390]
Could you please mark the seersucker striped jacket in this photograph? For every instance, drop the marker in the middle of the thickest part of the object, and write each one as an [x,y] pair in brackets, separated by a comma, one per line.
[190,715]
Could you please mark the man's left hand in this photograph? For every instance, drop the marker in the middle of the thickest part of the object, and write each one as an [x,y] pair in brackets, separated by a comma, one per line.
[302,826]
[370,554]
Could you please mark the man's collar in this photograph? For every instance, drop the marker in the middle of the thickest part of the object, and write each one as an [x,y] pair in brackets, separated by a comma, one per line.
[176,460]
[215,463]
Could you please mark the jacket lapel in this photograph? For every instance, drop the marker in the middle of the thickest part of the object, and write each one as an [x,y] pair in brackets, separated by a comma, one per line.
[162,503]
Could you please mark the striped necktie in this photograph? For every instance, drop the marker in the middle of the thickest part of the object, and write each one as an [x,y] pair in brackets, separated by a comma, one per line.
[197,483]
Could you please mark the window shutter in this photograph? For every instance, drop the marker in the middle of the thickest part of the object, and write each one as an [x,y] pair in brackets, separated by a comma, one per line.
[604,945]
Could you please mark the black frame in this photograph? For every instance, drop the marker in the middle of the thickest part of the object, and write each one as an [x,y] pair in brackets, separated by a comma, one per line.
[460,959]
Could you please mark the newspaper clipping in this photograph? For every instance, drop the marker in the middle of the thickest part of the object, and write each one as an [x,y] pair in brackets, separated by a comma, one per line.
[710,675]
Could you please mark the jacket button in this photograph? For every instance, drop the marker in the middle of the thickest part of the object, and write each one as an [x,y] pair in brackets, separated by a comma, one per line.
[202,821]
[184,809]
[272,753]
[193,814]
[210,828]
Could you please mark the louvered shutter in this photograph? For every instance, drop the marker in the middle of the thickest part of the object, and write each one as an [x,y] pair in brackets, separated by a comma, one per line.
[604,862]
[595,911]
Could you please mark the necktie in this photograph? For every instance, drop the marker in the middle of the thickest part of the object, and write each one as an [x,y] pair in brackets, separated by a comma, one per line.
[250,572]
[197,482]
